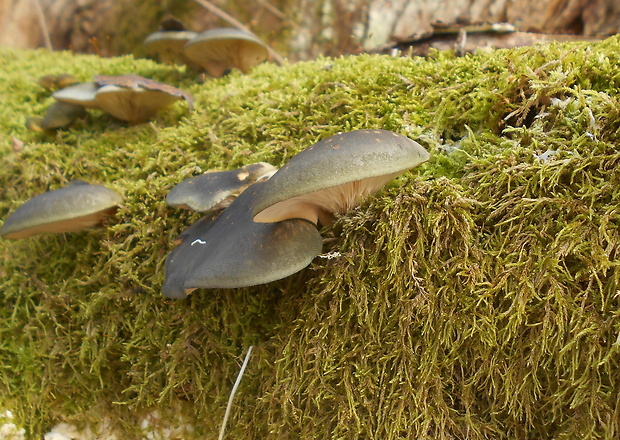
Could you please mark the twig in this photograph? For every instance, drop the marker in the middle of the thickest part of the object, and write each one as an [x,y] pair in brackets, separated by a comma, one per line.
[232,393]
[230,19]
[43,24]
[275,11]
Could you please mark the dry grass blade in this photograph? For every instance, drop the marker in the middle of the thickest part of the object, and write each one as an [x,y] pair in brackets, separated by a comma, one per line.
[43,23]
[234,390]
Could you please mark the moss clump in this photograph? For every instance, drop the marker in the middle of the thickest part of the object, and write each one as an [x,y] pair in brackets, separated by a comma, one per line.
[474,298]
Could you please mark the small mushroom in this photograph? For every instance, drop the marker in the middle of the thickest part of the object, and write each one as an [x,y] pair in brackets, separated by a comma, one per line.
[219,50]
[215,190]
[169,41]
[57,81]
[131,98]
[333,175]
[77,206]
[58,115]
[233,251]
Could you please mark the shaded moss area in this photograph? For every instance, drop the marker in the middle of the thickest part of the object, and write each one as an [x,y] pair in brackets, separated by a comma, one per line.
[475,297]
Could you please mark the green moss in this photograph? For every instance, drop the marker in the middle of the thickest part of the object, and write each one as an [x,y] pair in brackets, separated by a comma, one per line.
[475,297]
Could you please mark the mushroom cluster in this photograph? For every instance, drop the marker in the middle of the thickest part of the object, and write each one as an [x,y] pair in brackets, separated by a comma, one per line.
[234,251]
[259,223]
[130,98]
[216,51]
[270,230]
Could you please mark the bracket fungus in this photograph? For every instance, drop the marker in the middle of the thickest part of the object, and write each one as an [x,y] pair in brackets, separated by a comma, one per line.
[77,206]
[333,175]
[219,50]
[234,251]
[215,190]
[131,98]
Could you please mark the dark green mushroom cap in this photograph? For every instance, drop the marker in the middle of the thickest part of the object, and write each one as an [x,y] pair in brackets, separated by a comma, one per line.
[215,190]
[199,226]
[219,50]
[77,206]
[333,175]
[233,251]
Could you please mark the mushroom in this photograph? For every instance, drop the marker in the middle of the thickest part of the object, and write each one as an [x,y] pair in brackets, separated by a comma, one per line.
[169,41]
[233,251]
[215,190]
[219,50]
[83,94]
[131,98]
[333,175]
[58,115]
[199,226]
[57,81]
[77,206]
[134,98]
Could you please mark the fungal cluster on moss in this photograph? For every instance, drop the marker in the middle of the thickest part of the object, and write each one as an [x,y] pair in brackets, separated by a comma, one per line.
[270,231]
[262,235]
[132,98]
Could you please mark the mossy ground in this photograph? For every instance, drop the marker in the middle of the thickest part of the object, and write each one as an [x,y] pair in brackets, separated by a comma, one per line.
[475,297]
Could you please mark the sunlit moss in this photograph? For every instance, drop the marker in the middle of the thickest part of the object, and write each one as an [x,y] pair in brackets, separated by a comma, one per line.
[475,297]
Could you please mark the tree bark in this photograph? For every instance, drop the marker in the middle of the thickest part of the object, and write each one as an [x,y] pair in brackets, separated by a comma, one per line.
[301,29]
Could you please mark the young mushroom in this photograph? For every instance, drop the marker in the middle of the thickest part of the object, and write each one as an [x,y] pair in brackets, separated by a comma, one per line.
[215,190]
[335,174]
[219,50]
[233,251]
[57,81]
[131,98]
[77,206]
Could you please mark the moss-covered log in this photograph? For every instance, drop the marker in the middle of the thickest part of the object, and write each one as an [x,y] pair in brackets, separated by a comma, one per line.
[475,297]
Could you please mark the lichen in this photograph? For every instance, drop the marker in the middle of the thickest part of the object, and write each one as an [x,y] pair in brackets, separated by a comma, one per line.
[474,297]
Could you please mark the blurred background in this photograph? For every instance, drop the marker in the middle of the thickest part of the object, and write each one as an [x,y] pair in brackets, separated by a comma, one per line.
[297,29]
